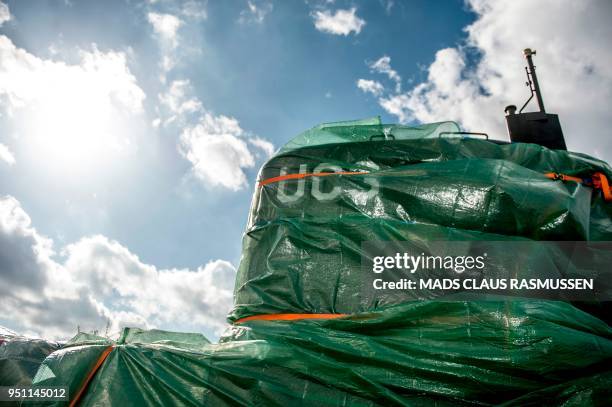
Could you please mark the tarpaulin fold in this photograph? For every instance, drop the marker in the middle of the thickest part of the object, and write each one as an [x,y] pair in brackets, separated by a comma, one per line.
[302,252]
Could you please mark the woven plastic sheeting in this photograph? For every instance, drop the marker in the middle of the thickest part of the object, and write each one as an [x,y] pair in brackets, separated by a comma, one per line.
[20,358]
[301,255]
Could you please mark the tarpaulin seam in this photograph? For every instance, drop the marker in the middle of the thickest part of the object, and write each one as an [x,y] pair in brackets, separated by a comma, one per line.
[288,317]
[91,374]
[315,174]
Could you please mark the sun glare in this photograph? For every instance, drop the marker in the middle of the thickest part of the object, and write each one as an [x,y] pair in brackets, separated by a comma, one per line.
[74,119]
[76,130]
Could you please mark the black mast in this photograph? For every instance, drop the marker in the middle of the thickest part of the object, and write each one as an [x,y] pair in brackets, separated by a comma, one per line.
[534,127]
[532,73]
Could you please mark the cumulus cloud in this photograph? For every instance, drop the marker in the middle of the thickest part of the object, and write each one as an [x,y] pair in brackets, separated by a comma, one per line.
[119,280]
[97,281]
[218,151]
[70,112]
[5,14]
[6,155]
[573,68]
[396,105]
[217,148]
[23,252]
[370,86]
[256,11]
[341,22]
[105,76]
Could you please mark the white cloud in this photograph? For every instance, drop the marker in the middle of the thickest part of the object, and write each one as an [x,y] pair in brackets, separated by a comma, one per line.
[370,86]
[573,63]
[70,113]
[177,100]
[264,145]
[5,14]
[166,28]
[256,11]
[25,79]
[342,22]
[383,66]
[195,10]
[23,252]
[397,106]
[6,155]
[99,280]
[218,151]
[119,280]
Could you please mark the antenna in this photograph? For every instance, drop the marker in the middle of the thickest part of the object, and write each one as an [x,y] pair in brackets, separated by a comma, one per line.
[532,81]
[534,127]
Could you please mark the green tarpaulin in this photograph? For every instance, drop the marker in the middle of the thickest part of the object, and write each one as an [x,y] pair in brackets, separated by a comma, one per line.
[20,358]
[301,254]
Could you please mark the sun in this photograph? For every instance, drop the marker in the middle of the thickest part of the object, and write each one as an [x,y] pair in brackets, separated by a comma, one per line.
[76,119]
[76,131]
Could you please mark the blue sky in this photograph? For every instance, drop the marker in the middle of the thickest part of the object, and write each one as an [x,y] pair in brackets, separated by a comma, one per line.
[272,76]
[131,131]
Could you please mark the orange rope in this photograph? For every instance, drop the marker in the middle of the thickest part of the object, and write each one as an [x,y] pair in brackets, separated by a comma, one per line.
[91,374]
[288,317]
[298,176]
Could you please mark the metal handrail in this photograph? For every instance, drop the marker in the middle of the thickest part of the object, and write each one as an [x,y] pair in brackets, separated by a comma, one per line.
[382,137]
[464,132]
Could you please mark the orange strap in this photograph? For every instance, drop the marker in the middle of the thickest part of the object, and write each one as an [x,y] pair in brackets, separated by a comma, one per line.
[288,317]
[91,374]
[600,181]
[597,181]
[298,176]
[562,177]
